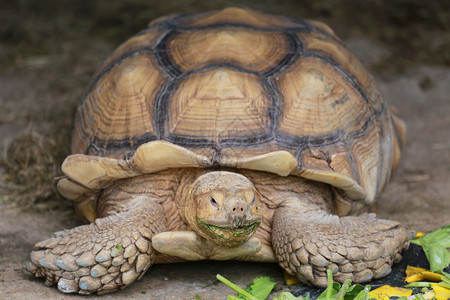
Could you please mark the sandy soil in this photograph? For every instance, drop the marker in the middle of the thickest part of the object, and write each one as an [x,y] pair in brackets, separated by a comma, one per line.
[418,195]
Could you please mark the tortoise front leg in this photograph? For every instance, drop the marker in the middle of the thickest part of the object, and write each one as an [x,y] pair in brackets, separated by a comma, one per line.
[103,256]
[307,241]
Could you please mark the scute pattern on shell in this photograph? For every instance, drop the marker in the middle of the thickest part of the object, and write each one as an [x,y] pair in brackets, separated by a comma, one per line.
[240,83]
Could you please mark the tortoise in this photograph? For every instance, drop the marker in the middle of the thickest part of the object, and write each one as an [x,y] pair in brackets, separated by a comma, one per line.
[228,135]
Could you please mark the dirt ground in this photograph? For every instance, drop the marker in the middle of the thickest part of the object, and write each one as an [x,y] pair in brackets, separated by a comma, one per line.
[42,77]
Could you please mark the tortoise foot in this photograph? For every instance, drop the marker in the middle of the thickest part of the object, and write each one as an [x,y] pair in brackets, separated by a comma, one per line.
[101,257]
[357,248]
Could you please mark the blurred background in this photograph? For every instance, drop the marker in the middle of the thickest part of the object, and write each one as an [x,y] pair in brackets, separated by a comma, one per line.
[49,50]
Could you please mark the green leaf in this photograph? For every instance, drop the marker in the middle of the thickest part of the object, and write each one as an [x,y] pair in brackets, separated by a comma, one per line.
[289,296]
[353,291]
[438,256]
[441,236]
[261,287]
[334,290]
[435,246]
[236,288]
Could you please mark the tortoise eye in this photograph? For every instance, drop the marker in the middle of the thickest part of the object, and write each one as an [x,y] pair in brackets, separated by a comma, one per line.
[214,203]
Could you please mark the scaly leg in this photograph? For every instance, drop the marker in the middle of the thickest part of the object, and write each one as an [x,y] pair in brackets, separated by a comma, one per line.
[307,241]
[103,256]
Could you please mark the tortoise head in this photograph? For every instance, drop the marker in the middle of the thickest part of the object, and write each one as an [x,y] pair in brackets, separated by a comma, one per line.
[224,207]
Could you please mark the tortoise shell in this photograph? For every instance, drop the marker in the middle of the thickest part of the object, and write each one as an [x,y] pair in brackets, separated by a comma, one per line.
[233,88]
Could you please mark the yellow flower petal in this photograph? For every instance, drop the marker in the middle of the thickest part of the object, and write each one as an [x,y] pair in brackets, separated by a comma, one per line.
[429,295]
[419,234]
[441,292]
[417,274]
[410,270]
[414,278]
[290,279]
[432,276]
[389,291]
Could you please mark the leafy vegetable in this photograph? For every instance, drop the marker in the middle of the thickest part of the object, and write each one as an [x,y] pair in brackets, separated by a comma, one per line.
[335,291]
[435,246]
[235,287]
[261,287]
[289,296]
[259,290]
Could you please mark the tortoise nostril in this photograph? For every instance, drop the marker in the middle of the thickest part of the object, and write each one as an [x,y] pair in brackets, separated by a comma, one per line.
[234,208]
[242,209]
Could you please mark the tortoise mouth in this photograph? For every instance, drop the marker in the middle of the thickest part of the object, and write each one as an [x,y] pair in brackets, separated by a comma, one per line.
[228,235]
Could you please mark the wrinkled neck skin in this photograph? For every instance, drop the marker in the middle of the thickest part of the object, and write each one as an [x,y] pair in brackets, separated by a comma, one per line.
[223,207]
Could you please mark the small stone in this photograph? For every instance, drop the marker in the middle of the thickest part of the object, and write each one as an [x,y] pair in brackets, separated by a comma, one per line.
[98,271]
[129,277]
[129,251]
[86,259]
[90,284]
[67,262]
[103,255]
[319,260]
[67,286]
[142,245]
[117,261]
[142,262]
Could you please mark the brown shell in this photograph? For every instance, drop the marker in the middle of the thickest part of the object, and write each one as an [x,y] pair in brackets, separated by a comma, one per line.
[234,88]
